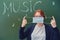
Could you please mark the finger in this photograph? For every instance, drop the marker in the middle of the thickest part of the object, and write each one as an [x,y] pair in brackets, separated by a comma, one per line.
[24,17]
[53,18]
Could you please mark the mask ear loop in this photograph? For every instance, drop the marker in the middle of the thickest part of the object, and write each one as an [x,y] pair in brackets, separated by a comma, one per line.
[46,17]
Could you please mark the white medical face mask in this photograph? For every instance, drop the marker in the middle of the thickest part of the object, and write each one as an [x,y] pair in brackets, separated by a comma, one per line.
[38,20]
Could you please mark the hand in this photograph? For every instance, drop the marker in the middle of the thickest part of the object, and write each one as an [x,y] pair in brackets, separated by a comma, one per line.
[53,22]
[24,22]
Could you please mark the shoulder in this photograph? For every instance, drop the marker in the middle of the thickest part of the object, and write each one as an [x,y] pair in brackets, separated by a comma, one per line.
[48,27]
[29,26]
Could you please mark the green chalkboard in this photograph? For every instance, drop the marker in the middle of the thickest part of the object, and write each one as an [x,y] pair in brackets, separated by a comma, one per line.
[12,12]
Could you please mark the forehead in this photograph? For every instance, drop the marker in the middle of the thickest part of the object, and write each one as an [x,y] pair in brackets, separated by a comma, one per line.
[37,13]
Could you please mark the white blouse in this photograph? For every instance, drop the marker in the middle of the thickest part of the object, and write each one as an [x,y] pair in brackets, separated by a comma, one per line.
[38,33]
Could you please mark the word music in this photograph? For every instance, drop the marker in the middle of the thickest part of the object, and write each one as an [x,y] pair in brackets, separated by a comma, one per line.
[11,7]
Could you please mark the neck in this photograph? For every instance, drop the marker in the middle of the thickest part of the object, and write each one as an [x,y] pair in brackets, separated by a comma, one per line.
[40,24]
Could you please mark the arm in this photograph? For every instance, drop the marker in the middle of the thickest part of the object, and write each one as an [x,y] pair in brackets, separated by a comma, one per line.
[56,34]
[23,34]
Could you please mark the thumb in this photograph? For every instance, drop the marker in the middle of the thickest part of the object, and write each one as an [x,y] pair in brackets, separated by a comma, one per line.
[24,17]
[53,18]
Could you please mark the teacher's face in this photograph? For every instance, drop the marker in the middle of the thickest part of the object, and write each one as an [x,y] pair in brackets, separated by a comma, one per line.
[38,18]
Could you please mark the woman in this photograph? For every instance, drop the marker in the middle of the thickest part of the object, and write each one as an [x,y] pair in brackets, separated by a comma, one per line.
[39,30]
